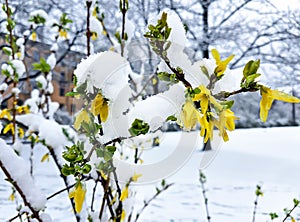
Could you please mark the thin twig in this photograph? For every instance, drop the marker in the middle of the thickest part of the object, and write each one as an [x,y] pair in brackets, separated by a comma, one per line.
[202,182]
[88,31]
[146,203]
[35,213]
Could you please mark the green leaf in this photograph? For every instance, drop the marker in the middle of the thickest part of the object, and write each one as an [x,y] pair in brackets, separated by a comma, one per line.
[273,216]
[107,156]
[251,68]
[86,168]
[99,152]
[43,66]
[171,118]
[227,104]
[139,127]
[67,170]
[197,90]
[7,51]
[250,79]
[111,149]
[72,94]
[296,202]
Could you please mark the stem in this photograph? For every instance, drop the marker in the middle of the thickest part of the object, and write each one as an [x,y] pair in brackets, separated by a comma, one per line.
[146,203]
[88,31]
[289,213]
[123,11]
[94,192]
[202,182]
[11,42]
[255,208]
[120,206]
[31,158]
[35,213]
[64,179]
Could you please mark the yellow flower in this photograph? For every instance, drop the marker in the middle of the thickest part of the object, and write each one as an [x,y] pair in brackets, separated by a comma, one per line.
[205,98]
[6,113]
[221,64]
[45,158]
[63,33]
[12,196]
[19,55]
[94,12]
[124,194]
[9,127]
[207,127]
[104,32]
[33,36]
[103,175]
[99,106]
[21,132]
[268,96]
[83,116]
[94,36]
[226,121]
[22,109]
[189,115]
[79,195]
[135,177]
[123,215]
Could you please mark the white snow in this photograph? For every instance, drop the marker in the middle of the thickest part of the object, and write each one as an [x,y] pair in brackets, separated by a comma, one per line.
[107,69]
[42,80]
[51,60]
[8,68]
[95,25]
[39,12]
[269,157]
[3,87]
[19,66]
[16,91]
[54,47]
[17,168]
[177,34]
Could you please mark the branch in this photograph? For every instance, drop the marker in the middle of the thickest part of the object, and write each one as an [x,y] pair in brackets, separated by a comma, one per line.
[20,191]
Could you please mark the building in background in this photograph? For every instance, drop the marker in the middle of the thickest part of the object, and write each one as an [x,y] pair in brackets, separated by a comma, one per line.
[62,75]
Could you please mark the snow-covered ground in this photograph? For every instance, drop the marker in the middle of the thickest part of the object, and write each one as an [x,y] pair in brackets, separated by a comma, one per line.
[269,157]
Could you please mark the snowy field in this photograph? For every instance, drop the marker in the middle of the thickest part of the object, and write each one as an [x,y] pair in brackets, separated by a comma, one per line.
[269,157]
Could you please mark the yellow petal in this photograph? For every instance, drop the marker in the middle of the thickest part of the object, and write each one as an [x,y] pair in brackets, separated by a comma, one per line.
[94,12]
[63,33]
[19,55]
[79,195]
[276,94]
[135,177]
[33,36]
[230,118]
[45,158]
[216,55]
[265,103]
[21,132]
[123,215]
[99,106]
[124,194]
[9,127]
[94,36]
[204,105]
[83,116]
[189,115]
[103,175]
[6,113]
[12,196]
[225,136]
